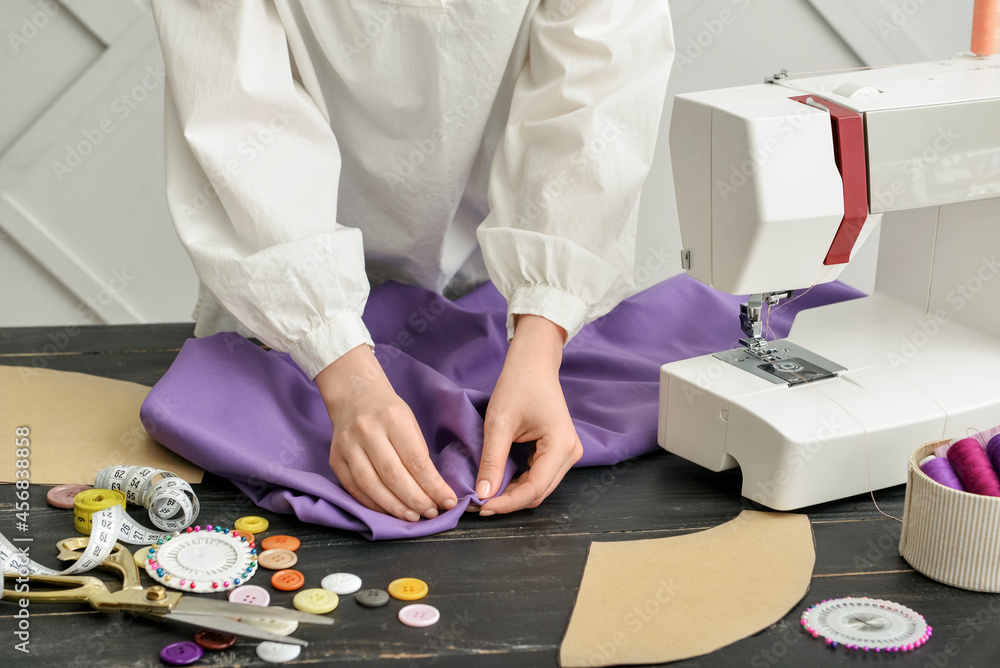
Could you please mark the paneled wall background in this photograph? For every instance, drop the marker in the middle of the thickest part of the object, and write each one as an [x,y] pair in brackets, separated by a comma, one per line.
[85,236]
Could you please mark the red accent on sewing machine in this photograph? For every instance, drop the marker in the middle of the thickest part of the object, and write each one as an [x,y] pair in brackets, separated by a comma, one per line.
[849,152]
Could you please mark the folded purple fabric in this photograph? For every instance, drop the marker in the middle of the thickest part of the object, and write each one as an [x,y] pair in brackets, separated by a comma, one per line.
[253,417]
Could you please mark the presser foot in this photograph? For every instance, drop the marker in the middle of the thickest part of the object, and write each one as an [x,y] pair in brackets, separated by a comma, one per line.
[780,362]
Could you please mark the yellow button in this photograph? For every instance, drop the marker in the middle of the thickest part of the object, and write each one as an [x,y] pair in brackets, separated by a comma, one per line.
[316,601]
[140,556]
[251,523]
[408,589]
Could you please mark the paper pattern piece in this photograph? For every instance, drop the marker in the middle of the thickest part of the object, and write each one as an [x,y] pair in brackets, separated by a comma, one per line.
[666,599]
[79,424]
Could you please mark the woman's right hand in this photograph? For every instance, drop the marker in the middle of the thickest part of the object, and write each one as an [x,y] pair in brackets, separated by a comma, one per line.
[378,452]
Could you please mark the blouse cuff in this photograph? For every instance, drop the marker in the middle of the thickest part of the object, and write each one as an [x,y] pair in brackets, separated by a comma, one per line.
[564,309]
[322,346]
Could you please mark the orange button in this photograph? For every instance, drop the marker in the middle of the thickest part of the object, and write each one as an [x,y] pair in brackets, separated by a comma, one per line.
[408,589]
[287,580]
[280,542]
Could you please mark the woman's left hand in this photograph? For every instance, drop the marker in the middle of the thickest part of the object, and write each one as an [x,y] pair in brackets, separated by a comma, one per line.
[528,405]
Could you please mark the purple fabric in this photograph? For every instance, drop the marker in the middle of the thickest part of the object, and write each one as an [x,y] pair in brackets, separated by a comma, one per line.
[253,417]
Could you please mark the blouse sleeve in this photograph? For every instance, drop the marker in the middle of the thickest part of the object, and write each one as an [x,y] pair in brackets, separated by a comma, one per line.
[559,241]
[252,177]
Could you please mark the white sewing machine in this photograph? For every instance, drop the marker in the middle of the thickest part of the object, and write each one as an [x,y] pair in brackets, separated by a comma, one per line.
[778,184]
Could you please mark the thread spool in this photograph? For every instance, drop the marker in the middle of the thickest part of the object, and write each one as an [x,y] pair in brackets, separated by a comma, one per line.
[973,467]
[985,27]
[940,470]
[90,501]
[941,450]
[993,452]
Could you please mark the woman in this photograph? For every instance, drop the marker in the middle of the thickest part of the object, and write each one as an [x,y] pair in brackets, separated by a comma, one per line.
[463,142]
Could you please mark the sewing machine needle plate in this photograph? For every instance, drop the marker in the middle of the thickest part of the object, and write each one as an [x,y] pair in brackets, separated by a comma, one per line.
[785,363]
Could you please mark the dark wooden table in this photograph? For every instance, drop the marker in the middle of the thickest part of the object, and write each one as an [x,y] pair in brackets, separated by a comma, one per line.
[505,585]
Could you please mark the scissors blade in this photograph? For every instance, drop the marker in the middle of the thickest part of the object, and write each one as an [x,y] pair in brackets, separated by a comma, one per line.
[206,606]
[230,626]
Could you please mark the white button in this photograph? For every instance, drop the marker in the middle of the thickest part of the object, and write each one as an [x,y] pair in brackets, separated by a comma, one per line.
[282,627]
[277,652]
[419,614]
[341,583]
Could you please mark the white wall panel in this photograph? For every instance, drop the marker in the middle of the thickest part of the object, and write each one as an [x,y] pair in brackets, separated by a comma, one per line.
[81,185]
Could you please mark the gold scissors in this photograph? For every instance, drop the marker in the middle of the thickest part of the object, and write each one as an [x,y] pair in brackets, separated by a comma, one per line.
[155,602]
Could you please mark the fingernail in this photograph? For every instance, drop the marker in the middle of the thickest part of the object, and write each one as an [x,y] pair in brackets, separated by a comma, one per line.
[487,513]
[483,489]
[449,503]
[431,513]
[411,516]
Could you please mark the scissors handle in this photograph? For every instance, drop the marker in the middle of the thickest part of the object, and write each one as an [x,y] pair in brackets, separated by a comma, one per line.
[69,589]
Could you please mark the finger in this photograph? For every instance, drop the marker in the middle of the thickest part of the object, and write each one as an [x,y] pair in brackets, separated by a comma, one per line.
[536,484]
[411,450]
[398,480]
[343,472]
[369,480]
[497,439]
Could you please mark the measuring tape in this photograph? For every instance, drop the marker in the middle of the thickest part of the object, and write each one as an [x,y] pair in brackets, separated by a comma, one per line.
[100,512]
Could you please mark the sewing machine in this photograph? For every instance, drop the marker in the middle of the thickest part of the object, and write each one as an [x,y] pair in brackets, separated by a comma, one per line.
[778,185]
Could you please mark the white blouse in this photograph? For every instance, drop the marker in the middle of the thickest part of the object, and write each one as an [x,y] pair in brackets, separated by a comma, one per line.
[316,146]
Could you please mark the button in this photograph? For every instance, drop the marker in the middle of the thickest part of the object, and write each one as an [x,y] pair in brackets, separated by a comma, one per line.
[277,652]
[251,523]
[140,556]
[341,583]
[281,542]
[419,614]
[214,640]
[372,598]
[250,594]
[316,601]
[181,653]
[408,589]
[61,496]
[287,580]
[281,627]
[277,559]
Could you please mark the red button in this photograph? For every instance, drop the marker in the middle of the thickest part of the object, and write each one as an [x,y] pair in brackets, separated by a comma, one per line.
[214,640]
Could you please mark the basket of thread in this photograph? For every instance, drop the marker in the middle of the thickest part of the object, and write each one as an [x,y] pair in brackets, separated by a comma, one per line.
[951,516]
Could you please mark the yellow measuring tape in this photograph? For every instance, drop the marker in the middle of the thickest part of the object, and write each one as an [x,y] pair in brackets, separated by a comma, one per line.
[91,501]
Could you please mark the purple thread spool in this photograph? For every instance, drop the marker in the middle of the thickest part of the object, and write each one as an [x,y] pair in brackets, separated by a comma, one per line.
[973,467]
[993,452]
[940,470]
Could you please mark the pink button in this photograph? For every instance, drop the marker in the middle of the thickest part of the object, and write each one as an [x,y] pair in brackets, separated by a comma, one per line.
[61,496]
[250,594]
[419,614]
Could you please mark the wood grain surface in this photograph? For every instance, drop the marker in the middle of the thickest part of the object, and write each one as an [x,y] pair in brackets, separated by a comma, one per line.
[504,585]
